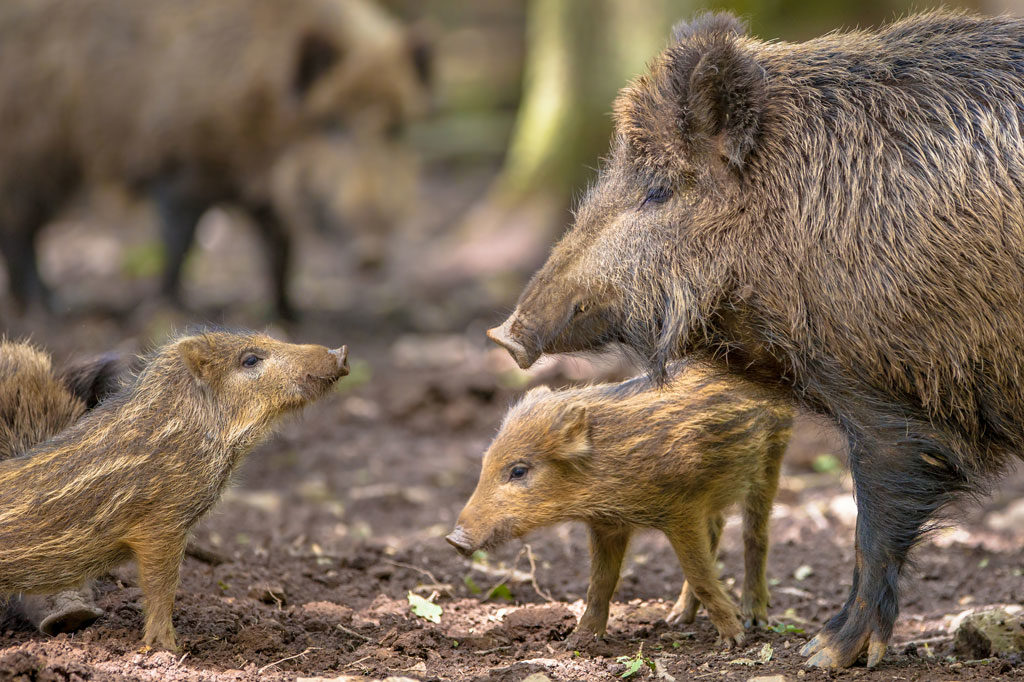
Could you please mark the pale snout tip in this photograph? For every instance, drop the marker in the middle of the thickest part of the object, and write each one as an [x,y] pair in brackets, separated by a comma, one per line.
[341,356]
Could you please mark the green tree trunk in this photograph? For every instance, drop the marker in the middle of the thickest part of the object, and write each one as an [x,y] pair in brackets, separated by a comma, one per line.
[579,54]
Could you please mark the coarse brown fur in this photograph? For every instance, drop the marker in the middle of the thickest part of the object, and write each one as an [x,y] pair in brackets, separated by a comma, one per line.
[635,455]
[35,404]
[131,478]
[841,220]
[189,102]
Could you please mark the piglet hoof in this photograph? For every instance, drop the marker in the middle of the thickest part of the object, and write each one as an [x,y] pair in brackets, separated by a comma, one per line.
[728,642]
[580,640]
[681,616]
[755,621]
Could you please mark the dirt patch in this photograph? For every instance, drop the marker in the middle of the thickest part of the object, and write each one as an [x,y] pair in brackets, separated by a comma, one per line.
[311,558]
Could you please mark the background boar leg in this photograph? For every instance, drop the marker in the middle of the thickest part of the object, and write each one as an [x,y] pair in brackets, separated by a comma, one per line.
[757,511]
[19,250]
[159,562]
[607,549]
[277,246]
[685,609]
[693,548]
[179,211]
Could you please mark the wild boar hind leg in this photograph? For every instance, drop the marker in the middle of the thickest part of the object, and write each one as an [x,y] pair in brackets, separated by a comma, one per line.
[607,549]
[685,609]
[757,511]
[693,548]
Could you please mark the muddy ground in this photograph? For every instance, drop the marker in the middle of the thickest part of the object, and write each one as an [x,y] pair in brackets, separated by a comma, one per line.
[334,522]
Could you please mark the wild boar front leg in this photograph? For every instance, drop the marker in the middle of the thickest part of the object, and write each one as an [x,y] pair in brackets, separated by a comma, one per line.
[607,549]
[693,548]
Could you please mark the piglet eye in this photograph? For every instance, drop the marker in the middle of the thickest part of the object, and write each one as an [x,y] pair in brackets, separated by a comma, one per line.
[657,195]
[250,360]
[517,472]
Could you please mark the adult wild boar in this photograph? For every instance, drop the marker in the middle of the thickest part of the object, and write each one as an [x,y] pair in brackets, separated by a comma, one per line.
[189,102]
[841,219]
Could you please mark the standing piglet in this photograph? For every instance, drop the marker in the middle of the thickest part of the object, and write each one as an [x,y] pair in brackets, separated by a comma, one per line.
[130,479]
[632,455]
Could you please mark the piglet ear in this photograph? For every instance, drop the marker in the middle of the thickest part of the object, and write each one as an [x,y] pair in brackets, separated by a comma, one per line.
[197,354]
[574,430]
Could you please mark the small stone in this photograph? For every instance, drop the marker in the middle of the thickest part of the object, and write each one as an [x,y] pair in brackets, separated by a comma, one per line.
[537,677]
[997,631]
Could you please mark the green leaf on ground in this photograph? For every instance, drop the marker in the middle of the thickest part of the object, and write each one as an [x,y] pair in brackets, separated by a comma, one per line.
[635,663]
[499,591]
[785,629]
[427,610]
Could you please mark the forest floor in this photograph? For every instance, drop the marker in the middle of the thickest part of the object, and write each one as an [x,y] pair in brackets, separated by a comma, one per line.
[338,519]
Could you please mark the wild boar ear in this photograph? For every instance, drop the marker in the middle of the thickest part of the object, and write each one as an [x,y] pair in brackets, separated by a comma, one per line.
[719,86]
[574,431]
[197,353]
[317,55]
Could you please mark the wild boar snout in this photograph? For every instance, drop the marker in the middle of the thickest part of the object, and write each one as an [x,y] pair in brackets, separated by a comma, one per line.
[524,357]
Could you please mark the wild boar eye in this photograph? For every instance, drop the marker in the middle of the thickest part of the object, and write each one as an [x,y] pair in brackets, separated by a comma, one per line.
[517,472]
[657,195]
[251,360]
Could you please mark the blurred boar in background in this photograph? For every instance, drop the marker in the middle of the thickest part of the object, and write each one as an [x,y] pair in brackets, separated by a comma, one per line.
[190,103]
[361,185]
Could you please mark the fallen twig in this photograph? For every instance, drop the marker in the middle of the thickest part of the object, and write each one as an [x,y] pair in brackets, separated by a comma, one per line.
[353,663]
[349,631]
[287,658]
[421,571]
[533,574]
[491,651]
